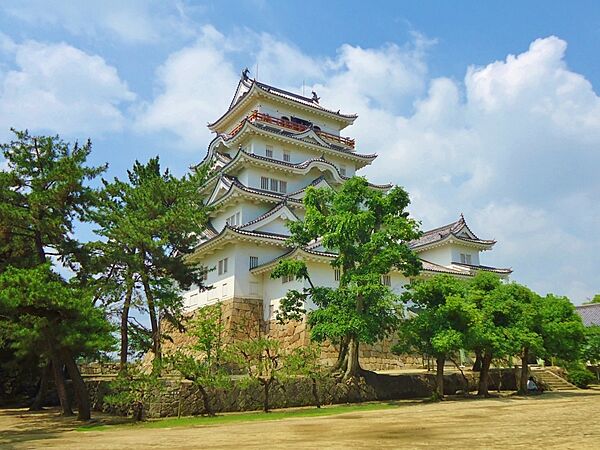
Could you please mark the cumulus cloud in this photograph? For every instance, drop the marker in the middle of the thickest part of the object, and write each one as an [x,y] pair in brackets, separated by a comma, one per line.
[133,21]
[514,145]
[59,88]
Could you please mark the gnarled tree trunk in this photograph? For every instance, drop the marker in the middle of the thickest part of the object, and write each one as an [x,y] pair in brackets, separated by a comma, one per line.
[342,360]
[206,401]
[353,369]
[40,397]
[59,383]
[484,374]
[81,392]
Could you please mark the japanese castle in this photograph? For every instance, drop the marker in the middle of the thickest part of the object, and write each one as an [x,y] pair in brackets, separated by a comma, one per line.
[270,146]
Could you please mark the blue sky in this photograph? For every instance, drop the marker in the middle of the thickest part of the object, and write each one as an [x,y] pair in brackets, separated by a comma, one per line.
[486,109]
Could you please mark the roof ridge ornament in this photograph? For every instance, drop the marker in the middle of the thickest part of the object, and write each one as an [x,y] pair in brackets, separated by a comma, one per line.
[315,98]
[245,74]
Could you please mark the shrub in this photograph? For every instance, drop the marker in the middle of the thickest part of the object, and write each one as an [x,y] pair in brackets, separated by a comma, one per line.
[580,377]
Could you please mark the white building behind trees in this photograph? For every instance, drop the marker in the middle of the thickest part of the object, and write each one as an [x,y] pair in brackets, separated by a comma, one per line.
[270,145]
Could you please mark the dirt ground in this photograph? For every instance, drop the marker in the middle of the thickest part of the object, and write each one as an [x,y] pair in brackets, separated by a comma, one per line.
[553,420]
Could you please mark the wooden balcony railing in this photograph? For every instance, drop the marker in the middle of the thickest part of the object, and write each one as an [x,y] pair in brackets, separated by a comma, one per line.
[255,116]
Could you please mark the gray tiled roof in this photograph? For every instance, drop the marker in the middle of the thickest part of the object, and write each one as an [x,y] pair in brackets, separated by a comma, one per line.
[590,314]
[441,233]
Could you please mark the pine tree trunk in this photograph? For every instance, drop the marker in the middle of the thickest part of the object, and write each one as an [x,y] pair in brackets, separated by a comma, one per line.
[125,326]
[59,383]
[484,375]
[206,401]
[524,372]
[81,392]
[353,370]
[439,376]
[153,320]
[40,397]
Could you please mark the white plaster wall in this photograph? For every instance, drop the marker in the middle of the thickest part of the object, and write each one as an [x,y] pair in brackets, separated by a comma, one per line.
[248,285]
[438,255]
[258,146]
[458,249]
[222,286]
[249,212]
[447,254]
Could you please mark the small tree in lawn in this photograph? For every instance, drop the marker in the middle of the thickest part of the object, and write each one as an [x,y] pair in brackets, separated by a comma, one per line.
[201,362]
[444,318]
[590,351]
[368,232]
[261,359]
[306,362]
[133,389]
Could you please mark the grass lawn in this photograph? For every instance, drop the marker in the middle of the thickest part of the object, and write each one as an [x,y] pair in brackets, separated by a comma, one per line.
[195,421]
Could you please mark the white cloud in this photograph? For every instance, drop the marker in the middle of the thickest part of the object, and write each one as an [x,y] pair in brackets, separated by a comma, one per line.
[59,88]
[196,85]
[514,145]
[133,21]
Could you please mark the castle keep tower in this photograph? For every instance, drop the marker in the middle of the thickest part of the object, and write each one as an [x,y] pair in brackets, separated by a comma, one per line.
[270,145]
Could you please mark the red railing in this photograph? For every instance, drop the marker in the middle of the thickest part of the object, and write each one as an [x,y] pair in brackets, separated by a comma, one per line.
[255,116]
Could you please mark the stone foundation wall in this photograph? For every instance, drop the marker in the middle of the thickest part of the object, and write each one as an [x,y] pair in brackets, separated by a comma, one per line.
[181,398]
[244,317]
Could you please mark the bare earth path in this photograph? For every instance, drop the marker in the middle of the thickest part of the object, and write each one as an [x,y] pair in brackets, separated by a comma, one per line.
[553,420]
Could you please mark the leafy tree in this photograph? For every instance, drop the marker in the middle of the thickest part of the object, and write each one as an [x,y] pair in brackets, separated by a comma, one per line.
[261,358]
[43,194]
[202,362]
[56,321]
[369,231]
[133,389]
[594,299]
[591,348]
[498,311]
[443,320]
[306,362]
[150,223]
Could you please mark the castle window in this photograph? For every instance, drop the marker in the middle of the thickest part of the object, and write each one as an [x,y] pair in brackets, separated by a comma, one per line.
[465,258]
[386,280]
[286,156]
[336,274]
[253,262]
[222,266]
[269,151]
[274,185]
[264,183]
[234,221]
[283,187]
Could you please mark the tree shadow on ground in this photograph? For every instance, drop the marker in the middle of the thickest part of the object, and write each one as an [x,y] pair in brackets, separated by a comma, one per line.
[18,425]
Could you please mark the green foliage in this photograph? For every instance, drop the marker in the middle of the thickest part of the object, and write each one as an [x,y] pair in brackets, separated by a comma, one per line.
[42,194]
[132,390]
[591,347]
[260,358]
[149,224]
[443,318]
[369,231]
[580,376]
[46,313]
[202,362]
[594,299]
[560,327]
